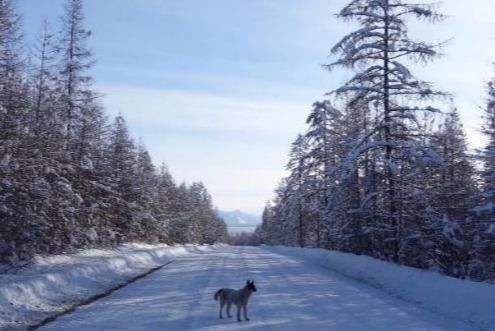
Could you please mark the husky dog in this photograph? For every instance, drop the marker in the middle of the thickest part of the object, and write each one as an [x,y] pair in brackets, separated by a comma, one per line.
[237,297]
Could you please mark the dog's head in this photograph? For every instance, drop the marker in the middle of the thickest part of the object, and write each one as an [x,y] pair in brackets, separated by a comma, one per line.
[250,285]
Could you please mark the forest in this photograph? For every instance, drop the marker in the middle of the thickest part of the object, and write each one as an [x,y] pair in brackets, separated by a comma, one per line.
[383,168]
[382,219]
[70,178]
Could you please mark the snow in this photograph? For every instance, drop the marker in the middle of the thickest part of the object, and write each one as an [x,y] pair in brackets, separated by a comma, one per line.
[294,293]
[487,207]
[52,284]
[4,162]
[86,163]
[463,300]
[491,229]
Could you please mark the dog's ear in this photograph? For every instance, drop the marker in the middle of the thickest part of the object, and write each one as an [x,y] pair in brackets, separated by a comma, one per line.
[247,282]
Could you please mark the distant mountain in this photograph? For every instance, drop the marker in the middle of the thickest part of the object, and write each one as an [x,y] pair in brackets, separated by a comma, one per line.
[238,220]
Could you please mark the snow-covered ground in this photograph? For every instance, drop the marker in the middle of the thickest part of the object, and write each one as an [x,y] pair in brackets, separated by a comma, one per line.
[294,293]
[471,302]
[51,285]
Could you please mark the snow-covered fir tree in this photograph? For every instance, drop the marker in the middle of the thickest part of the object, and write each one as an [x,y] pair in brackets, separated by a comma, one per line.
[325,148]
[68,178]
[400,186]
[378,52]
[488,154]
[483,265]
[457,190]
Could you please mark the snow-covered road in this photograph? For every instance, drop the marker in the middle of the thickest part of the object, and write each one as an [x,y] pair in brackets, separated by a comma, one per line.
[292,295]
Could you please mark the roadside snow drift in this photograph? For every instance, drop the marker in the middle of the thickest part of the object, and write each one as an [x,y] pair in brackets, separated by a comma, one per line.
[54,284]
[468,301]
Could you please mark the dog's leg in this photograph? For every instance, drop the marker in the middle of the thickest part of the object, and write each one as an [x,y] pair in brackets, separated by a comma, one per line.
[238,313]
[222,303]
[229,304]
[245,313]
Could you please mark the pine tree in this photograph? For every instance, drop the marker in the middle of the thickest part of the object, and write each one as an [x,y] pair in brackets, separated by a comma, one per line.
[350,200]
[89,178]
[122,173]
[377,52]
[488,155]
[146,177]
[262,234]
[76,60]
[483,264]
[19,198]
[163,203]
[457,190]
[66,180]
[13,97]
[44,76]
[325,149]
[296,190]
[180,205]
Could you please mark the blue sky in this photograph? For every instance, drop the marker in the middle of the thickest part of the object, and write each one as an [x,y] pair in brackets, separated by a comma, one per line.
[218,89]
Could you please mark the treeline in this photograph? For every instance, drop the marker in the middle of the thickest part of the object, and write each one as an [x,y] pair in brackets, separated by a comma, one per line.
[69,178]
[381,170]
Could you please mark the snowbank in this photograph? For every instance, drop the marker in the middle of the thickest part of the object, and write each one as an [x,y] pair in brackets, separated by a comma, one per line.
[471,302]
[54,284]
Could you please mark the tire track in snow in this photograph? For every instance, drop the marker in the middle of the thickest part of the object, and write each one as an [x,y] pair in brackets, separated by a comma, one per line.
[343,303]
[204,295]
[286,283]
[259,313]
[264,286]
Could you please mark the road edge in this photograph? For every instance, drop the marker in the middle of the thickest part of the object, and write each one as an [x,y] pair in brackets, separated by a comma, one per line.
[94,298]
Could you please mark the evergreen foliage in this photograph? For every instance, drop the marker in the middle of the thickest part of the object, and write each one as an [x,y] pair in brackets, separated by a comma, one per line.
[68,178]
[384,172]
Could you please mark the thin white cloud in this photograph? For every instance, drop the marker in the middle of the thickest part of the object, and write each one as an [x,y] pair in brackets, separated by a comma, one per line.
[203,111]
[234,133]
[236,145]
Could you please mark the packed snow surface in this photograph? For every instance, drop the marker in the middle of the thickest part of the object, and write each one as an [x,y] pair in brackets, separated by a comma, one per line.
[294,293]
[468,301]
[52,284]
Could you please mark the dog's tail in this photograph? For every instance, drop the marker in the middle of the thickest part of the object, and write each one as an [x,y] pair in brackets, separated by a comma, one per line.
[217,295]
